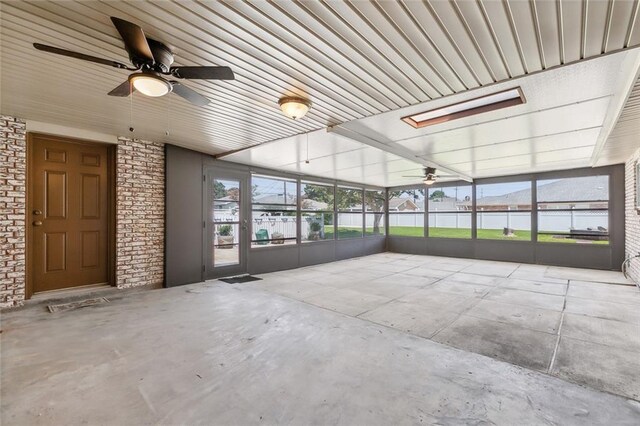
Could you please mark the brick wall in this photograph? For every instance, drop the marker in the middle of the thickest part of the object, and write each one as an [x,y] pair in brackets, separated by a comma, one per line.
[13,168]
[140,213]
[632,221]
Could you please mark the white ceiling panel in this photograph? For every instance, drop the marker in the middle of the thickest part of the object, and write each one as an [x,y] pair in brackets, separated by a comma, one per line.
[352,59]
[330,156]
[559,120]
[364,65]
[545,161]
[533,147]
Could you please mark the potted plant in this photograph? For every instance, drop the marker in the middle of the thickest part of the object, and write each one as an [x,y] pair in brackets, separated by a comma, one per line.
[277,238]
[314,231]
[225,237]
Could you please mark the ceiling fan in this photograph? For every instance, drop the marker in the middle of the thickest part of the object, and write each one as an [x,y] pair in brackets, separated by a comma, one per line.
[152,61]
[429,176]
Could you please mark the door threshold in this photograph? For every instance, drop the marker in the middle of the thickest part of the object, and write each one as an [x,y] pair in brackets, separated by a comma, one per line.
[65,292]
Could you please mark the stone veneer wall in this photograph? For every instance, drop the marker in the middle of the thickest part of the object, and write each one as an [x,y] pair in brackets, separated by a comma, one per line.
[13,178]
[139,212]
[632,221]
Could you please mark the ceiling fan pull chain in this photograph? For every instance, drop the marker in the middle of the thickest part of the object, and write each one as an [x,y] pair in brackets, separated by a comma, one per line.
[307,161]
[131,129]
[166,133]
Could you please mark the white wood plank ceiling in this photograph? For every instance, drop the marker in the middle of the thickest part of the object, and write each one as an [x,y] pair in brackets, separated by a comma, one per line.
[353,59]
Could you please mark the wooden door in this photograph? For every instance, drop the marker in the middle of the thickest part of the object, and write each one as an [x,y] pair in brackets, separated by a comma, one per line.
[68,217]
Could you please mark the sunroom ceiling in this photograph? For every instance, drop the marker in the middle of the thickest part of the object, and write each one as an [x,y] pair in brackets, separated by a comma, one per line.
[352,59]
[562,123]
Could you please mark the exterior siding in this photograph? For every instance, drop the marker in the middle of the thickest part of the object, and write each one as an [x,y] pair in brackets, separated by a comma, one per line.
[632,217]
[139,212]
[13,179]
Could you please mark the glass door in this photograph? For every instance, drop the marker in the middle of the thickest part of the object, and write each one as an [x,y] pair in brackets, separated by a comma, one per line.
[226,225]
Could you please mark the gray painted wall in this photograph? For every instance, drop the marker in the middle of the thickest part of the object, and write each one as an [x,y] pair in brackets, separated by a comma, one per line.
[183,216]
[185,240]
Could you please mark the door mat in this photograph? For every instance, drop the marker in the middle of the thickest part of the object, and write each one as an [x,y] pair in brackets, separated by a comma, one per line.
[240,279]
[63,307]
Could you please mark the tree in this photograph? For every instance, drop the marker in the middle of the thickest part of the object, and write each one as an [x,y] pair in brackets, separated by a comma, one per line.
[374,201]
[437,194]
[323,194]
[219,191]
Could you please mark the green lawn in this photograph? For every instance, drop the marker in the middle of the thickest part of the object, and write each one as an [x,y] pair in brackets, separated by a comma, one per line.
[483,234]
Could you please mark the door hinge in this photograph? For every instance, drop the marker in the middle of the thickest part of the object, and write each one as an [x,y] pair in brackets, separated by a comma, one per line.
[204,224]
[203,268]
[204,178]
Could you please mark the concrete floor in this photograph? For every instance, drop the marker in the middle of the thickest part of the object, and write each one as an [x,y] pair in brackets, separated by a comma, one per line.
[384,339]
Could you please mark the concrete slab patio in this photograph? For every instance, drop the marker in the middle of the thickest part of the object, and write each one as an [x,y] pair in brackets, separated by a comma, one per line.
[325,350]
[508,311]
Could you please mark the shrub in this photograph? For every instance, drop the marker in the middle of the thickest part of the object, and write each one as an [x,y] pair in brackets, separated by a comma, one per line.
[315,226]
[225,230]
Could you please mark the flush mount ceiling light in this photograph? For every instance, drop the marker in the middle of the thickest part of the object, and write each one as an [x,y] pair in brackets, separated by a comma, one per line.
[294,107]
[462,109]
[150,84]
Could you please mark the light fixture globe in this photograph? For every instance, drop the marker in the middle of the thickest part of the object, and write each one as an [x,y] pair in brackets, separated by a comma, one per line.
[429,180]
[150,84]
[294,107]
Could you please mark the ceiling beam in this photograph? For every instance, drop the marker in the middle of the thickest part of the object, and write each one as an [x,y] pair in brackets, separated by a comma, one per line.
[357,135]
[628,75]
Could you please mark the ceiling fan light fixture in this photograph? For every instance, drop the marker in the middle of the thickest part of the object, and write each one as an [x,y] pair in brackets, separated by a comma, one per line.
[429,180]
[294,107]
[150,84]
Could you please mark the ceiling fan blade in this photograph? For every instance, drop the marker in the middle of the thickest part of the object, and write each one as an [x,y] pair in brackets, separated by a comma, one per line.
[135,42]
[77,55]
[414,176]
[446,176]
[189,94]
[123,90]
[203,73]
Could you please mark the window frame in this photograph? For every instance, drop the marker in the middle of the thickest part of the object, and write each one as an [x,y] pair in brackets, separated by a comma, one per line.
[331,210]
[300,211]
[529,177]
[607,209]
[373,213]
[420,187]
[531,210]
[254,243]
[469,212]
[340,212]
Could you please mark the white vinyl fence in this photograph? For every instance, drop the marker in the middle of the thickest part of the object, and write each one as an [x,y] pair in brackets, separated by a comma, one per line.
[548,221]
[564,221]
[355,220]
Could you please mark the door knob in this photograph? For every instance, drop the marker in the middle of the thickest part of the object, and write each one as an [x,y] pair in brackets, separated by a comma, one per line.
[37,223]
[37,212]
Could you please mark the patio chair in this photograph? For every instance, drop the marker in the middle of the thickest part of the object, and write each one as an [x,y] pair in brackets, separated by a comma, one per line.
[262,236]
